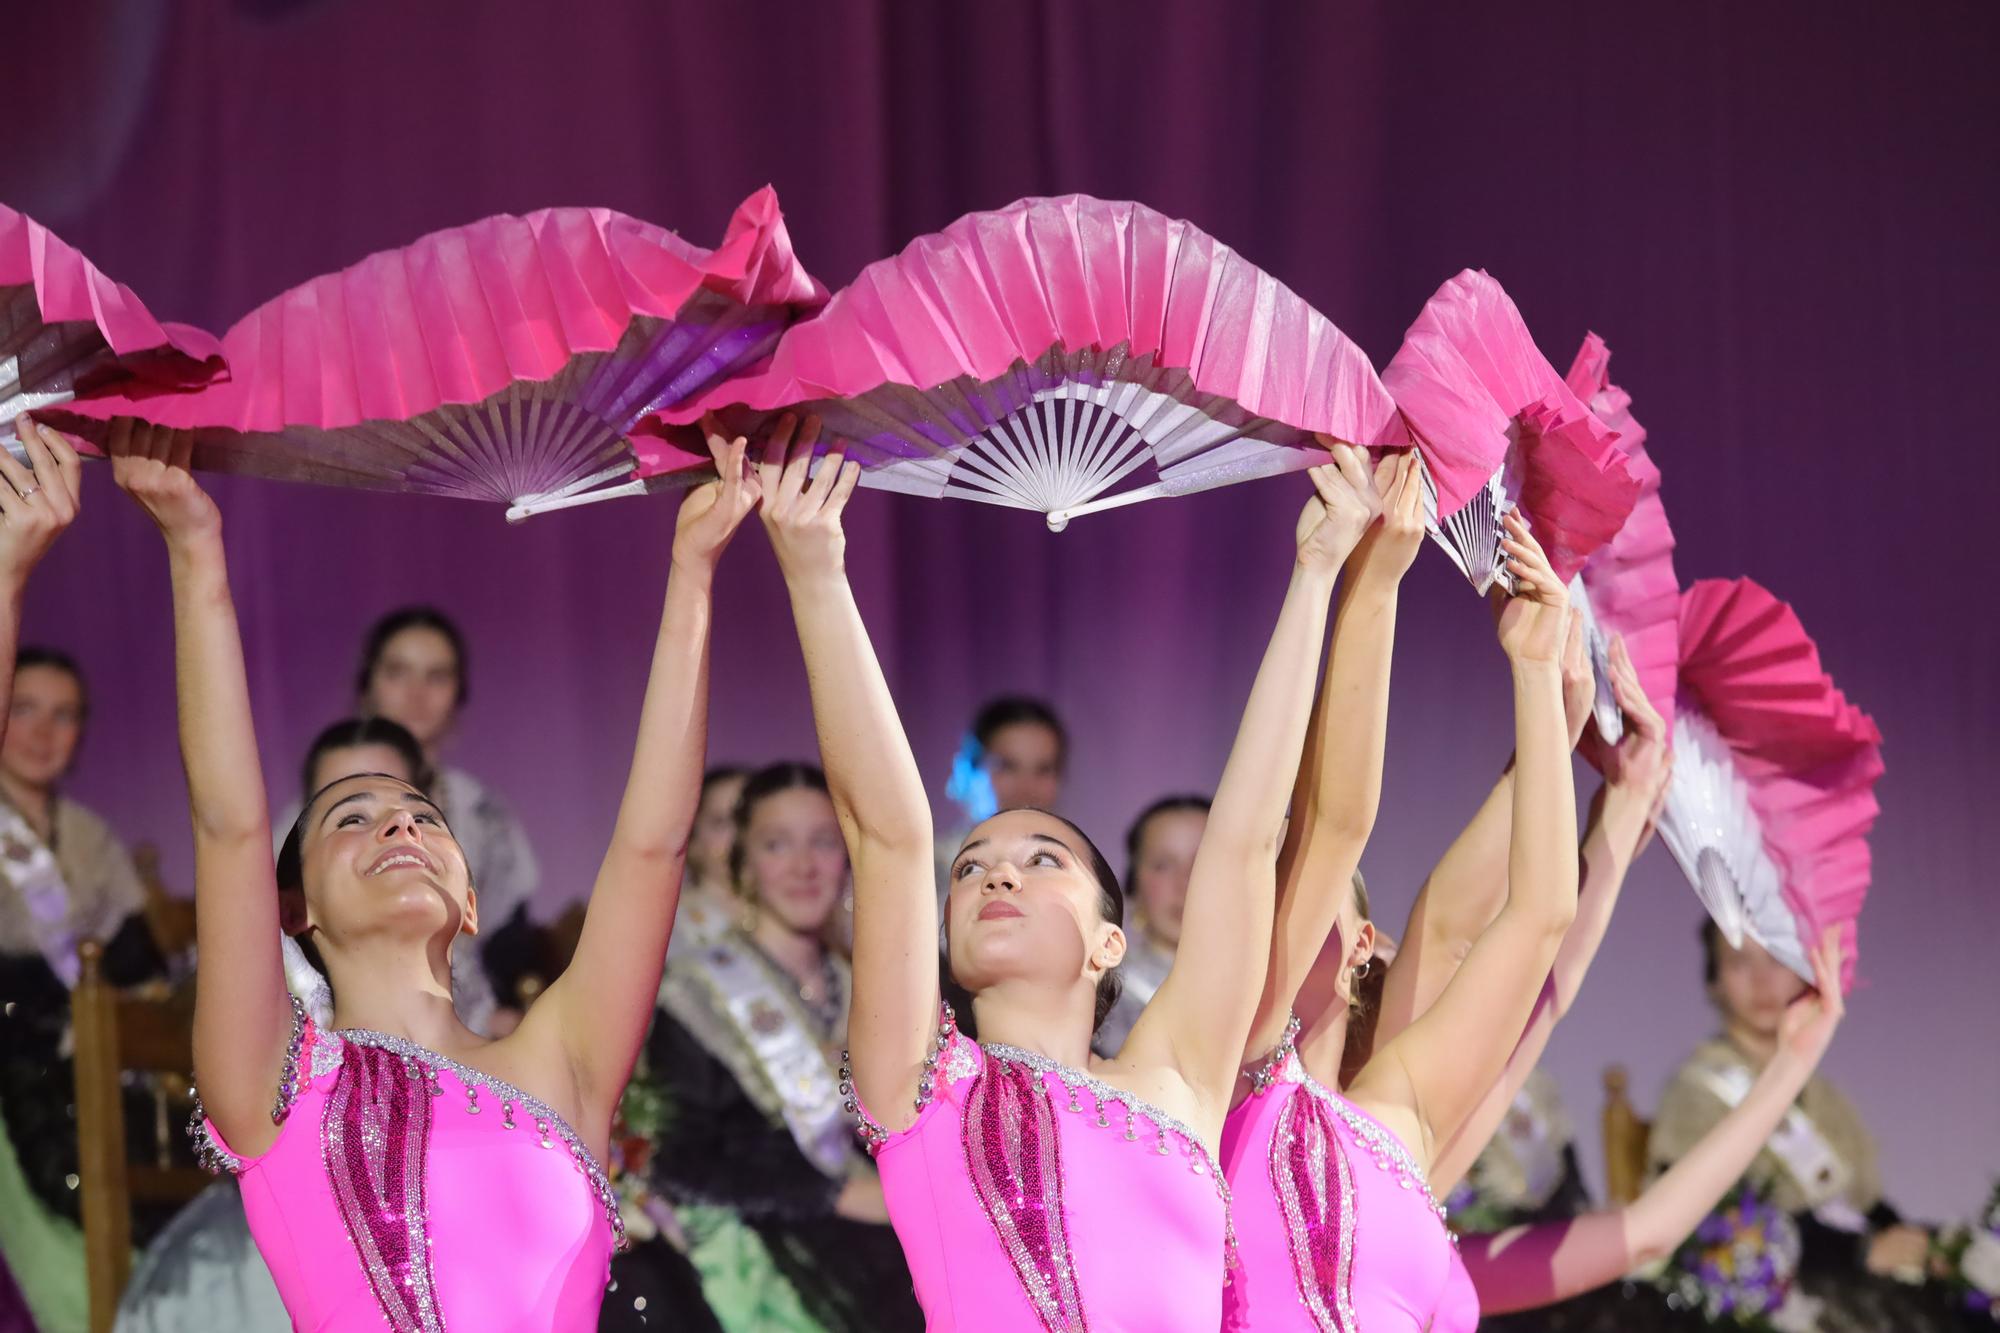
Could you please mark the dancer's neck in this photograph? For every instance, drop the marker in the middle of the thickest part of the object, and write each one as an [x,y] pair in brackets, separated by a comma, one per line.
[394,988]
[1035,1017]
[1754,1046]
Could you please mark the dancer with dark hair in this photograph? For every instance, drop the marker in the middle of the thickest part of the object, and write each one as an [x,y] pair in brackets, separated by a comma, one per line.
[461,1177]
[1029,1183]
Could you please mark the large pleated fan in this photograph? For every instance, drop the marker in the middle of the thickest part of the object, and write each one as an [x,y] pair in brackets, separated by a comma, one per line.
[1627,586]
[1497,430]
[1063,356]
[1773,789]
[503,361]
[68,331]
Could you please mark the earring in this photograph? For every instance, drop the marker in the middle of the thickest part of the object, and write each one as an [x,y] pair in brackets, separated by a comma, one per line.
[1362,970]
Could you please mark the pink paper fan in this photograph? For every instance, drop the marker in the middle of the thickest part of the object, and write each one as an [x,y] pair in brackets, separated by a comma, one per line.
[67,331]
[1627,586]
[505,360]
[1773,790]
[1062,355]
[1498,429]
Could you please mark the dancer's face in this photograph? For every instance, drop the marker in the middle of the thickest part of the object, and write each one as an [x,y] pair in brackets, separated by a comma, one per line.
[1752,988]
[1024,761]
[714,831]
[1025,902]
[1167,845]
[415,683]
[794,862]
[379,860]
[45,721]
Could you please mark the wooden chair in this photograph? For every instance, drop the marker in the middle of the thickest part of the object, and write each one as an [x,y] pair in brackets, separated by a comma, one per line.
[170,919]
[1625,1140]
[115,1033]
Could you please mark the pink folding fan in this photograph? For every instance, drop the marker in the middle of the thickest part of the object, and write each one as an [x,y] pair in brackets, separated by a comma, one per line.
[505,360]
[1060,355]
[67,331]
[1773,789]
[1498,429]
[1627,586]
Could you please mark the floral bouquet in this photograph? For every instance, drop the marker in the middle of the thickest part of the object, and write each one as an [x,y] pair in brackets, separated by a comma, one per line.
[1967,1260]
[1738,1267]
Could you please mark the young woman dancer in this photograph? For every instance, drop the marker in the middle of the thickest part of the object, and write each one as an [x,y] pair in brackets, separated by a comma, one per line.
[1030,1185]
[1338,1228]
[397,1167]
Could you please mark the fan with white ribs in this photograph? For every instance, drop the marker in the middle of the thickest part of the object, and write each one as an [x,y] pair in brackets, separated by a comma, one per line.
[1064,356]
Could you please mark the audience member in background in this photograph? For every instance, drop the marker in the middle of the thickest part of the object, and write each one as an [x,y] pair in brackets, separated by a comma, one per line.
[755,1150]
[63,880]
[1159,853]
[710,906]
[203,1274]
[1014,757]
[1855,1257]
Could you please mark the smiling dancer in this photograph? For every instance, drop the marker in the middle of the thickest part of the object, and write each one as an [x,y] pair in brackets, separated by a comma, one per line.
[397,1167]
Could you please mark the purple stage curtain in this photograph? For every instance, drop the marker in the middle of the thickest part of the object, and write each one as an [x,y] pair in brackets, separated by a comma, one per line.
[1780,215]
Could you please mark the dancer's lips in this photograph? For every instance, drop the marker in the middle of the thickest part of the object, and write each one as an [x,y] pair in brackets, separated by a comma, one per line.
[403,857]
[999,909]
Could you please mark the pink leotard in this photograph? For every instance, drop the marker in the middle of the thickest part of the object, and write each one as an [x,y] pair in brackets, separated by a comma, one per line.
[1030,1195]
[409,1192]
[1337,1230]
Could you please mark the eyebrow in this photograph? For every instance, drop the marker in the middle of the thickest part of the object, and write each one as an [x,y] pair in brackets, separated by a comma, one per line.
[366,795]
[1033,837]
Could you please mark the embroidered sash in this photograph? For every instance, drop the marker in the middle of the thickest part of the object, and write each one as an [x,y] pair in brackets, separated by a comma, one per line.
[30,866]
[1805,1153]
[771,1032]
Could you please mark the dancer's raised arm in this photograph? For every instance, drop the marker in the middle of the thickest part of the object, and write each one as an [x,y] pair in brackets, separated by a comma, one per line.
[1528,1267]
[1444,1062]
[1621,820]
[602,1004]
[242,1017]
[1339,786]
[36,503]
[1201,1015]
[1463,892]
[877,790]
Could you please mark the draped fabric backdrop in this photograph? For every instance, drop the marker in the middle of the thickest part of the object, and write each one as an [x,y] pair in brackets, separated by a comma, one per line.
[1780,215]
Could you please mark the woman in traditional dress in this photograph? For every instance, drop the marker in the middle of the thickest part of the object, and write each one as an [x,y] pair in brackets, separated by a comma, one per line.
[1856,1261]
[1159,855]
[397,1166]
[1030,1184]
[782,1209]
[709,906]
[63,880]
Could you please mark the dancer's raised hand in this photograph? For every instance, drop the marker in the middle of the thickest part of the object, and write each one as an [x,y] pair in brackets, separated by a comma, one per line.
[1344,504]
[802,508]
[712,512]
[1535,620]
[1642,763]
[150,464]
[1391,544]
[37,501]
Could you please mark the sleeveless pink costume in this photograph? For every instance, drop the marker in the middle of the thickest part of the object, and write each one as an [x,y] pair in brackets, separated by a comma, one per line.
[407,1191]
[1337,1227]
[1030,1195]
